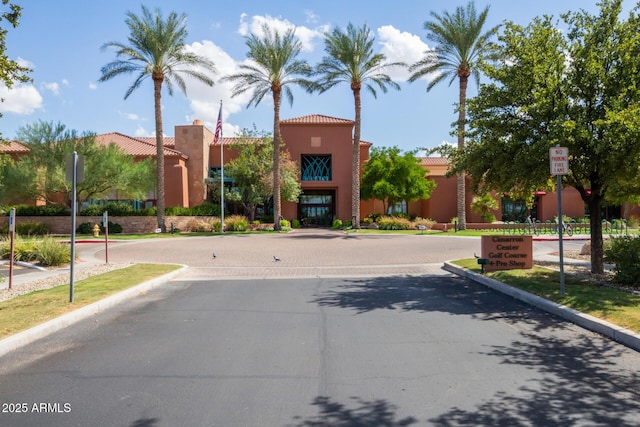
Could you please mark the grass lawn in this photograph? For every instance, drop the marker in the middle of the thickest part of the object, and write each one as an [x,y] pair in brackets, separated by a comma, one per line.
[28,310]
[613,305]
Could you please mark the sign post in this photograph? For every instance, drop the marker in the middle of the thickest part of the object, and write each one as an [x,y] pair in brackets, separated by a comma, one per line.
[12,235]
[105,224]
[559,165]
[75,174]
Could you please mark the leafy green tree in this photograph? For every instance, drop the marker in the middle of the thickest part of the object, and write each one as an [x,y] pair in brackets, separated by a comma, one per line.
[157,50]
[350,59]
[10,71]
[252,173]
[41,174]
[576,88]
[393,177]
[461,44]
[274,68]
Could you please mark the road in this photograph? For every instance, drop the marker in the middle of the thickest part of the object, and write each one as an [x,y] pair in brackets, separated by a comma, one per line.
[383,349]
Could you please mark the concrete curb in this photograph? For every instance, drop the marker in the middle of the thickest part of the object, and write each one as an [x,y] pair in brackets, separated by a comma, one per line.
[28,336]
[614,332]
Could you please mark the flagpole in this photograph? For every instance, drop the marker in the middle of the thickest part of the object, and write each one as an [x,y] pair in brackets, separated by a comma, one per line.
[221,170]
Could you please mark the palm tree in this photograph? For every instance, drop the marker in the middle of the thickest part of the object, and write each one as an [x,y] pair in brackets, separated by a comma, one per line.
[275,67]
[156,49]
[350,59]
[460,46]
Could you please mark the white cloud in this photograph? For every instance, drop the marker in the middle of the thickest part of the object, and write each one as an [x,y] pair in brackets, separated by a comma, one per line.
[133,116]
[21,99]
[205,100]
[93,86]
[306,35]
[24,63]
[312,18]
[53,87]
[400,46]
[140,131]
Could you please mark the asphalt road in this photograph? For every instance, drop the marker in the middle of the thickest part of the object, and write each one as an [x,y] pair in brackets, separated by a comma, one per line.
[375,351]
[343,331]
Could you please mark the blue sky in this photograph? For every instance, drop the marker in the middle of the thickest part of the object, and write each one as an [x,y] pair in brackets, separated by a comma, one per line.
[60,40]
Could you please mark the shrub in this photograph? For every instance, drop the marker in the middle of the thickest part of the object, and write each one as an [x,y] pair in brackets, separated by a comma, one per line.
[49,252]
[23,249]
[295,223]
[236,223]
[117,209]
[31,229]
[625,253]
[337,224]
[372,217]
[47,210]
[484,205]
[427,222]
[394,223]
[206,209]
[199,226]
[285,223]
[216,224]
[177,211]
[114,227]
[85,228]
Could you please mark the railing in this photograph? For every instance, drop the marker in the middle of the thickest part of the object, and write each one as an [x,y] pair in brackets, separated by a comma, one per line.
[582,226]
[617,226]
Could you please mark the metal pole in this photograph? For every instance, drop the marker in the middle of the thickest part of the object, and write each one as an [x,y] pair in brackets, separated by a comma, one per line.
[560,230]
[12,237]
[105,223]
[221,173]
[73,222]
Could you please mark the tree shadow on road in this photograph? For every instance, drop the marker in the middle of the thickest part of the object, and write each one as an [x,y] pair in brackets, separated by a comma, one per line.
[446,294]
[146,422]
[580,382]
[368,413]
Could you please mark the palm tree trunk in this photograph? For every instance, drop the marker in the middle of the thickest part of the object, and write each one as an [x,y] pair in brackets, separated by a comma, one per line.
[355,166]
[157,88]
[461,190]
[277,210]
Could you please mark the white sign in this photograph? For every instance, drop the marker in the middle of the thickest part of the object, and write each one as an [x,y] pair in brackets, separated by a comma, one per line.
[559,160]
[12,220]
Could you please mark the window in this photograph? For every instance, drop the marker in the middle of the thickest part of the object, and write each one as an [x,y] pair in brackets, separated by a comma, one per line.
[316,167]
[398,208]
[514,210]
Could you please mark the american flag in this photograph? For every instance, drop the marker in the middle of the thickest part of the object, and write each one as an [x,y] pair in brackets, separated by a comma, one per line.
[216,135]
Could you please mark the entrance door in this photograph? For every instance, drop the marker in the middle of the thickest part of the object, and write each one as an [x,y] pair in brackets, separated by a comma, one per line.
[317,207]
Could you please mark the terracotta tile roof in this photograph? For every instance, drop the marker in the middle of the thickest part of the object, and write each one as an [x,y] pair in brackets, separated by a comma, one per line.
[231,140]
[226,140]
[434,161]
[135,146]
[13,147]
[169,141]
[316,119]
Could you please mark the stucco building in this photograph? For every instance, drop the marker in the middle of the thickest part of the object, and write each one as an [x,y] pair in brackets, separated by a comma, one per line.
[322,148]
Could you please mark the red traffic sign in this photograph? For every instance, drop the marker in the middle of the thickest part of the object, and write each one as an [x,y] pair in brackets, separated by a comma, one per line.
[559,160]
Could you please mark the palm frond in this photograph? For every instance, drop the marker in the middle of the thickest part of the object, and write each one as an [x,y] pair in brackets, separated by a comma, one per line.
[460,44]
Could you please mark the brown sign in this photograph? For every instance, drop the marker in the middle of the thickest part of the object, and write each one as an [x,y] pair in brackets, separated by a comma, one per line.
[507,252]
